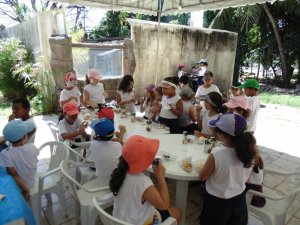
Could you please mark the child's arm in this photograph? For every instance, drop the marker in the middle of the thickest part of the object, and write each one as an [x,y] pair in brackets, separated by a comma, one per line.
[192,112]
[199,117]
[72,135]
[87,101]
[119,100]
[142,108]
[25,190]
[120,134]
[208,168]
[158,195]
[179,108]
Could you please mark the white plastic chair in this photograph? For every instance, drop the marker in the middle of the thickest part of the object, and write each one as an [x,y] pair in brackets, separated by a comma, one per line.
[49,181]
[275,209]
[54,130]
[107,219]
[84,171]
[84,193]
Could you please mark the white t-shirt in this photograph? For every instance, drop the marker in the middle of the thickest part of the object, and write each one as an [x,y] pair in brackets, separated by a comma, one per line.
[254,106]
[95,93]
[229,177]
[106,156]
[65,127]
[202,91]
[256,178]
[128,203]
[148,112]
[24,160]
[65,94]
[180,73]
[126,96]
[185,119]
[205,121]
[165,111]
[32,137]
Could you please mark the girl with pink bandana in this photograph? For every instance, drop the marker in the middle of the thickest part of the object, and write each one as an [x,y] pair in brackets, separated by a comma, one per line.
[93,93]
[70,93]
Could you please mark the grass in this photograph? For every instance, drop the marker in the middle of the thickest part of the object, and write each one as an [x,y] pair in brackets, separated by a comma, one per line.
[280,99]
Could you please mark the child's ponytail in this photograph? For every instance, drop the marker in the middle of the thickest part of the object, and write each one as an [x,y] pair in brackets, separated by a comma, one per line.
[245,148]
[118,176]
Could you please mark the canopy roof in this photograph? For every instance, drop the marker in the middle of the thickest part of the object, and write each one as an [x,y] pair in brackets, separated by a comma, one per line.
[150,7]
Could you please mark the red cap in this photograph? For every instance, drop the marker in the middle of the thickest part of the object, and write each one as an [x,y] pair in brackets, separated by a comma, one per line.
[106,113]
[70,108]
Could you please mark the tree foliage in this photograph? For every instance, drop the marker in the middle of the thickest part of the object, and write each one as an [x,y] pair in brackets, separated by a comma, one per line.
[267,38]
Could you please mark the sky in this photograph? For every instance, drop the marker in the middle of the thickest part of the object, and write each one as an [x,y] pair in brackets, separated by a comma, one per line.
[96,14]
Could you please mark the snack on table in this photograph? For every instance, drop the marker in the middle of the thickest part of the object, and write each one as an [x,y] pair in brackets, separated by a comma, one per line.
[198,167]
[201,140]
[86,116]
[187,165]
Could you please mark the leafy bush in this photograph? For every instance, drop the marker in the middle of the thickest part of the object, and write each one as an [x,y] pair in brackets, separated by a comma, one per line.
[44,102]
[15,70]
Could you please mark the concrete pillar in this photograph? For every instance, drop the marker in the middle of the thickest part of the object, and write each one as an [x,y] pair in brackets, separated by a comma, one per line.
[128,57]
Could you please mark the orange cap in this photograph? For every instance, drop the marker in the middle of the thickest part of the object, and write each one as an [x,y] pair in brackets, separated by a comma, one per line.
[139,152]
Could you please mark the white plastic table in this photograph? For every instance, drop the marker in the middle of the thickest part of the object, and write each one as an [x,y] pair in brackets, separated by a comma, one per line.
[172,144]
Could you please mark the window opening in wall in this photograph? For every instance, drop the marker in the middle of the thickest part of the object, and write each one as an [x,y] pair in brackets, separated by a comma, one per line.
[107,61]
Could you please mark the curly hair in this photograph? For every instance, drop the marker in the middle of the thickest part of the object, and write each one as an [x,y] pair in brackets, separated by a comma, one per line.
[125,82]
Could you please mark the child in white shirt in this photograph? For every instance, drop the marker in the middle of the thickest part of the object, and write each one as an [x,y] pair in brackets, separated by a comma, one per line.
[71,91]
[207,87]
[146,105]
[71,126]
[104,151]
[251,88]
[172,105]
[93,93]
[125,95]
[20,160]
[213,108]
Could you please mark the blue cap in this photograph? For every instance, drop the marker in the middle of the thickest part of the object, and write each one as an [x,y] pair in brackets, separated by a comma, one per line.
[102,127]
[15,130]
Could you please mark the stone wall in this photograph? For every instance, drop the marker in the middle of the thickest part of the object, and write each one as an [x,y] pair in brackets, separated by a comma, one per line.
[180,44]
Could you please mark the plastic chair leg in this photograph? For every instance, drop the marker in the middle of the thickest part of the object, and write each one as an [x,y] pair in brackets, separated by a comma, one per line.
[36,207]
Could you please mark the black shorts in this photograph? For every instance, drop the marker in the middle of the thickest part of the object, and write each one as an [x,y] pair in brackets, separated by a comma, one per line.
[164,214]
[218,211]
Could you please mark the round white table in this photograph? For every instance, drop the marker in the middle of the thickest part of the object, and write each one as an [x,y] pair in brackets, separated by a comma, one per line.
[171,144]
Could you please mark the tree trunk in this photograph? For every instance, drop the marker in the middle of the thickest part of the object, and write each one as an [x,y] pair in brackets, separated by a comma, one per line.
[280,45]
[258,68]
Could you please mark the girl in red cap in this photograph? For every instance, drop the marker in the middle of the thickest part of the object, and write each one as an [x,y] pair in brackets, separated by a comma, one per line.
[136,199]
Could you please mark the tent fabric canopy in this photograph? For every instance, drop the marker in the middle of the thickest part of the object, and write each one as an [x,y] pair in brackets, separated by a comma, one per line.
[170,7]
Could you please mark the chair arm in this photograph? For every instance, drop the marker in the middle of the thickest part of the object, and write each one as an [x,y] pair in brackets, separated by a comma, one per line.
[170,221]
[108,198]
[268,170]
[250,193]
[79,144]
[93,190]
[44,175]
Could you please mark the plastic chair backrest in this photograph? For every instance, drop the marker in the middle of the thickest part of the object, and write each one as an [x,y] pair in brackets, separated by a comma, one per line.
[58,152]
[65,166]
[106,218]
[54,131]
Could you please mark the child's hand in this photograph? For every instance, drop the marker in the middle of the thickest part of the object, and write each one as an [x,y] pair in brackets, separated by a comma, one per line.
[73,99]
[105,94]
[198,107]
[82,127]
[159,170]
[133,100]
[26,195]
[197,133]
[122,129]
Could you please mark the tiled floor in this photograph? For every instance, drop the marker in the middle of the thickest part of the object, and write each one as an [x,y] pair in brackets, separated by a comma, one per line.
[53,213]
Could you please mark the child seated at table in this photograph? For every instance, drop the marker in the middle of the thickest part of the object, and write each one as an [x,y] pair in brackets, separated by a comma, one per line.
[146,104]
[104,151]
[106,113]
[226,171]
[21,110]
[20,159]
[71,126]
[186,121]
[93,93]
[172,105]
[212,109]
[156,106]
[239,105]
[125,95]
[136,199]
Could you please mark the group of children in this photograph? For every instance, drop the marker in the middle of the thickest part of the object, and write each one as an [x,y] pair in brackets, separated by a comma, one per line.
[136,199]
